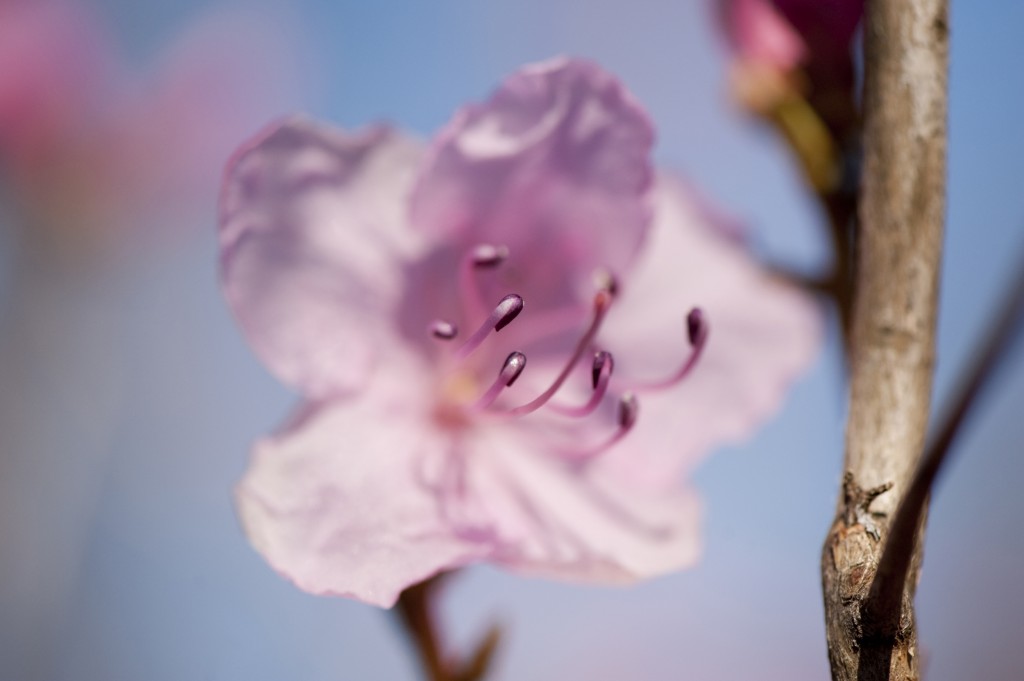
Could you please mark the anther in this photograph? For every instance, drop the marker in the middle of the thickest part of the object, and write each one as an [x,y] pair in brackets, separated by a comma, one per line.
[514,365]
[510,371]
[507,310]
[696,328]
[626,416]
[601,302]
[602,367]
[697,331]
[600,374]
[443,330]
[629,407]
[605,280]
[502,315]
[486,256]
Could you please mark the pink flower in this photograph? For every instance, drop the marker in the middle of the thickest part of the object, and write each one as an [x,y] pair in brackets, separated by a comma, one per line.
[762,36]
[51,56]
[93,148]
[428,302]
[782,34]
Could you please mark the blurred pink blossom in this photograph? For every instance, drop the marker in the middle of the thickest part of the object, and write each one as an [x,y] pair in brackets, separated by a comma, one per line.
[497,341]
[90,147]
[784,46]
[95,157]
[826,26]
[761,35]
[782,34]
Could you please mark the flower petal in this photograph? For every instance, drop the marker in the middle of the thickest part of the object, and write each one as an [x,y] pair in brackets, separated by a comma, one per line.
[763,333]
[335,502]
[314,241]
[761,35]
[553,518]
[555,165]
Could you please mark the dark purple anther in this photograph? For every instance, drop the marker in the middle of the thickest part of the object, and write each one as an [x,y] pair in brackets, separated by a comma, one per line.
[486,256]
[696,328]
[514,365]
[508,309]
[628,408]
[443,330]
[603,364]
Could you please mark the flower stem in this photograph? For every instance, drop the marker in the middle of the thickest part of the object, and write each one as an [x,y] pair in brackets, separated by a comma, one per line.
[415,610]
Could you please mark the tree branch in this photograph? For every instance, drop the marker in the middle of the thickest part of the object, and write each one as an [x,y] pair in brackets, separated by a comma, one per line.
[892,570]
[902,210]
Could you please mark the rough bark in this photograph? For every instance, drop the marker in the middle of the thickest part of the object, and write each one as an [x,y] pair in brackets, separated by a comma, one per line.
[902,211]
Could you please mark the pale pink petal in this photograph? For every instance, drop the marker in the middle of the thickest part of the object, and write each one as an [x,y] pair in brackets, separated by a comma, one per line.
[763,36]
[555,166]
[337,503]
[552,518]
[230,71]
[315,245]
[374,490]
[763,334]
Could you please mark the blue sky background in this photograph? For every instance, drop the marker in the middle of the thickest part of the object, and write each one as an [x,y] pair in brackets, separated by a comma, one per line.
[169,589]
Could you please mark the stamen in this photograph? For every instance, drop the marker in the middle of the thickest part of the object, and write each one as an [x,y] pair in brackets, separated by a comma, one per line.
[484,256]
[629,409]
[697,333]
[510,370]
[696,327]
[443,330]
[605,280]
[600,374]
[602,301]
[626,416]
[507,310]
[560,321]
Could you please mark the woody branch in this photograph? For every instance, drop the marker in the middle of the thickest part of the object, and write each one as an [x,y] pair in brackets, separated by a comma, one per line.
[902,209]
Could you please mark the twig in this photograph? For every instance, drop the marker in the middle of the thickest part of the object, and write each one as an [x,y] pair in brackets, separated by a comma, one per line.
[415,609]
[889,580]
[828,172]
[902,209]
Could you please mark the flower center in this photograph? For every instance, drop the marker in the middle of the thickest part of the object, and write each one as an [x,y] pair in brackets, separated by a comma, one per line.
[463,399]
[459,389]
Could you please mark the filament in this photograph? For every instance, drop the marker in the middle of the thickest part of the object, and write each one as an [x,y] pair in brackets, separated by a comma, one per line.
[601,374]
[601,303]
[506,310]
